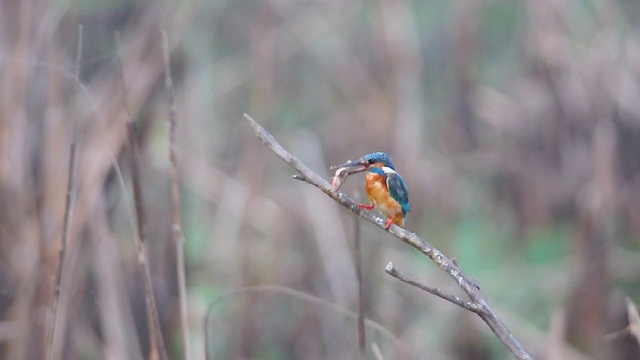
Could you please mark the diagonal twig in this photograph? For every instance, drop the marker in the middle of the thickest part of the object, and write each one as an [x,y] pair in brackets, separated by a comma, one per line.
[375,349]
[468,286]
[467,305]
[68,212]
[634,320]
[176,228]
[633,329]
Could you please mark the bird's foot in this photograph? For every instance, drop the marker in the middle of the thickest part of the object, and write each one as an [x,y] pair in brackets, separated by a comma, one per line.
[387,225]
[363,206]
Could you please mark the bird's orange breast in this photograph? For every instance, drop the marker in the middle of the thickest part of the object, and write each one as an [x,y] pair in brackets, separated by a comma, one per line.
[378,194]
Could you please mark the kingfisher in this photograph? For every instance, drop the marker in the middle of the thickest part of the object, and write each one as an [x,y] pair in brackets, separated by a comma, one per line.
[385,187]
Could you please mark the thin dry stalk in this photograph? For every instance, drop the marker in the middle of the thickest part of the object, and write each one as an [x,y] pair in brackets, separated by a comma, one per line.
[176,228]
[155,335]
[68,211]
[468,286]
[358,260]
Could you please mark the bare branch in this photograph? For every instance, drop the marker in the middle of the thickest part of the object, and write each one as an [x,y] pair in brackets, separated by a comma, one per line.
[155,333]
[467,305]
[176,229]
[468,286]
[68,211]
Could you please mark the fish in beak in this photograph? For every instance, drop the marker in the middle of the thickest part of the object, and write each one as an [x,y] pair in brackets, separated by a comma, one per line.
[346,169]
[353,166]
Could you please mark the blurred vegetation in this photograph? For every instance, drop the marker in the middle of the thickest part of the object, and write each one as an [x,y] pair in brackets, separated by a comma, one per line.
[515,124]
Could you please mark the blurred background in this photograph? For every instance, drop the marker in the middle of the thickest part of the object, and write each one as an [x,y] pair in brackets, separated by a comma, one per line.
[515,124]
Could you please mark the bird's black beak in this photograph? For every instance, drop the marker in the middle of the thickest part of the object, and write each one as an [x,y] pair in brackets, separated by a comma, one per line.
[353,166]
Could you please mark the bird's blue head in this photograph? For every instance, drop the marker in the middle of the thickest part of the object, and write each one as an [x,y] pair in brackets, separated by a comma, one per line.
[377,159]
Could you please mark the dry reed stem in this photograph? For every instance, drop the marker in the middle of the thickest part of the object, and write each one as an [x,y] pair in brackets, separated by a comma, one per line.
[468,286]
[176,228]
[157,347]
[357,253]
[68,211]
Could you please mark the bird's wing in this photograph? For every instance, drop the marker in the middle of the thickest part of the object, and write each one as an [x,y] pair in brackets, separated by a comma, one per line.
[398,190]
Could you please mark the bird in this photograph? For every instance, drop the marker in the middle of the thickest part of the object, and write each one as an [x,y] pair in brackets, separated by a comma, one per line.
[385,187]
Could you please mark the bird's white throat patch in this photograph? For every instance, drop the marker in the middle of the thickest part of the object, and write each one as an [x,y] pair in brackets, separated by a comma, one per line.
[388,170]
